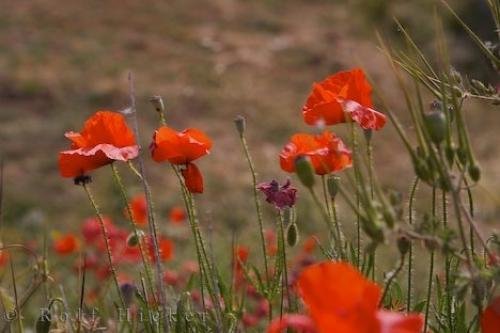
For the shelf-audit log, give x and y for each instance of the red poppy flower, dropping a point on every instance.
(309, 245)
(182, 148)
(105, 138)
(343, 93)
(177, 215)
(341, 299)
(139, 208)
(490, 319)
(66, 244)
(91, 229)
(326, 152)
(4, 258)
(192, 178)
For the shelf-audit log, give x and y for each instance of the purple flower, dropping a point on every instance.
(280, 196)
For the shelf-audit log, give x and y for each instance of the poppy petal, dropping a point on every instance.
(193, 178)
(298, 322)
(490, 319)
(393, 322)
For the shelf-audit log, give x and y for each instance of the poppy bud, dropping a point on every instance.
(240, 123)
(133, 238)
(421, 169)
(43, 322)
(435, 122)
(474, 172)
(333, 184)
(432, 244)
(157, 103)
(305, 171)
(128, 291)
(373, 230)
(462, 155)
(450, 154)
(292, 235)
(403, 243)
(456, 76)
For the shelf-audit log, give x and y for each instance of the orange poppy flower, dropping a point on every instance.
(346, 92)
(4, 257)
(66, 244)
(139, 209)
(177, 215)
(490, 319)
(182, 148)
(192, 178)
(105, 138)
(341, 299)
(326, 151)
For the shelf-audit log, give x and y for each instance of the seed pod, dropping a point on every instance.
(240, 123)
(474, 172)
(292, 235)
(133, 239)
(287, 215)
(304, 171)
(421, 169)
(373, 230)
(435, 122)
(43, 321)
(403, 243)
(333, 184)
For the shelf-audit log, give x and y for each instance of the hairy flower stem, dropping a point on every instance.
(358, 221)
(332, 215)
(447, 286)
(153, 229)
(206, 270)
(369, 151)
(324, 214)
(105, 236)
(431, 269)
(133, 225)
(410, 250)
(390, 279)
(284, 261)
(257, 208)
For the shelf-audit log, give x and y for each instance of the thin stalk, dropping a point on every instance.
(390, 279)
(369, 151)
(332, 216)
(105, 236)
(153, 229)
(133, 225)
(447, 265)
(16, 298)
(431, 270)
(284, 260)
(323, 212)
(257, 206)
(356, 179)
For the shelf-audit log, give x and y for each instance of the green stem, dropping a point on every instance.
(257, 206)
(356, 179)
(448, 290)
(324, 214)
(105, 236)
(410, 250)
(431, 269)
(332, 217)
(133, 225)
(284, 260)
(391, 279)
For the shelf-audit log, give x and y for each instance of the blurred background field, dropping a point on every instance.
(210, 60)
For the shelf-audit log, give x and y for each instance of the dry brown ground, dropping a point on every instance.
(211, 60)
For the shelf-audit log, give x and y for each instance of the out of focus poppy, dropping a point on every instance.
(182, 148)
(341, 299)
(165, 247)
(139, 208)
(177, 215)
(342, 96)
(300, 323)
(490, 319)
(65, 244)
(105, 138)
(326, 151)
